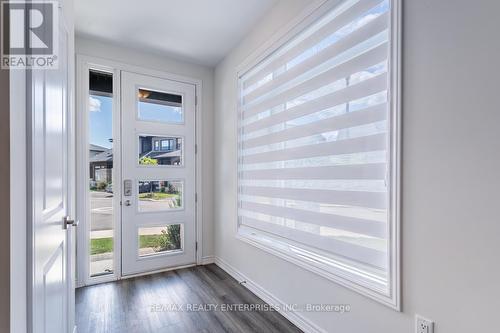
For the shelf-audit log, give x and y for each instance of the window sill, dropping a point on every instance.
(339, 271)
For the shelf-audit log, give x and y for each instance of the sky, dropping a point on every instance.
(101, 120)
(156, 112)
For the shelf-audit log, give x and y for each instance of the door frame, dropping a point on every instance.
(84, 63)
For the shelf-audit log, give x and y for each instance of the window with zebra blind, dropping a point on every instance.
(318, 147)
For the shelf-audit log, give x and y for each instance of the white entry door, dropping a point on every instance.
(51, 292)
(158, 172)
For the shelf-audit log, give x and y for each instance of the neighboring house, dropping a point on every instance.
(101, 164)
(165, 150)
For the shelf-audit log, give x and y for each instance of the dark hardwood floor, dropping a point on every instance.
(147, 304)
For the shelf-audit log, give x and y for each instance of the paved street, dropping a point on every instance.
(148, 205)
(101, 206)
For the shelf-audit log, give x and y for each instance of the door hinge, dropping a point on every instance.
(196, 246)
(196, 148)
(196, 197)
(196, 100)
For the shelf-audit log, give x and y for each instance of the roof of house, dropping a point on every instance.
(160, 154)
(105, 156)
(97, 148)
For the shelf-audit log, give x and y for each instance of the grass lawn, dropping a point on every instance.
(148, 241)
(105, 245)
(101, 245)
(158, 196)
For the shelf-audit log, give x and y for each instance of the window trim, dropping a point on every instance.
(259, 239)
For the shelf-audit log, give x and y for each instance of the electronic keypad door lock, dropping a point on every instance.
(127, 187)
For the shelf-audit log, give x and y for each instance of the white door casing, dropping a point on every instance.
(50, 254)
(132, 218)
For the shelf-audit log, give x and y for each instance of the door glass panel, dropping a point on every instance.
(157, 240)
(160, 195)
(159, 106)
(100, 117)
(160, 150)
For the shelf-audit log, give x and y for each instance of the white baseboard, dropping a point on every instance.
(207, 260)
(294, 317)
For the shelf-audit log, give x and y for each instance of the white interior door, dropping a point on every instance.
(51, 285)
(158, 172)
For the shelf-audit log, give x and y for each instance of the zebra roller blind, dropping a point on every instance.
(314, 139)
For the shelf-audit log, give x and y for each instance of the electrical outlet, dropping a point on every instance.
(424, 325)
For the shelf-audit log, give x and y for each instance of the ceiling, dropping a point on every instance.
(199, 31)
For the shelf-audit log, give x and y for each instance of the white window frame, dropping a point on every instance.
(337, 271)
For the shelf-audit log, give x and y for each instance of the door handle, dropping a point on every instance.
(68, 221)
(128, 203)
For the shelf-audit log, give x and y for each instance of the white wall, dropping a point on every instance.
(451, 166)
(156, 62)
